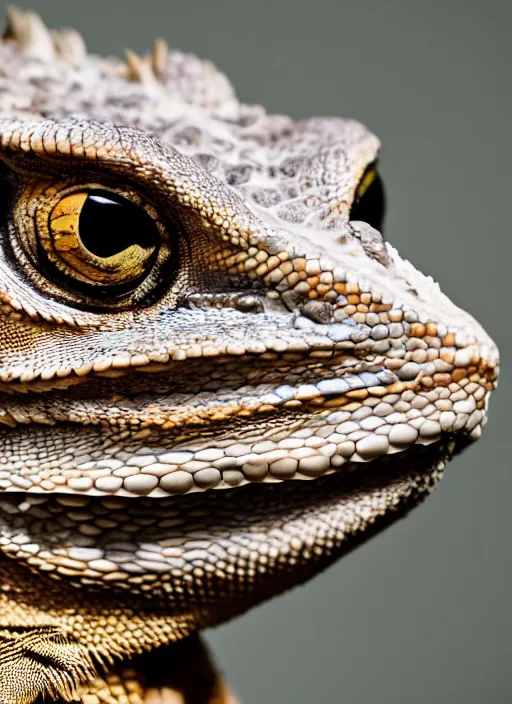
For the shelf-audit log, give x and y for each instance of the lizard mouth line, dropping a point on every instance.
(177, 409)
(156, 445)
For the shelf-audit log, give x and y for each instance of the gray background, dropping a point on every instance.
(421, 613)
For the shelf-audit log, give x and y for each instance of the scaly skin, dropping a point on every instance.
(270, 340)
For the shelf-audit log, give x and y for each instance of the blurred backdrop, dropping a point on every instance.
(422, 613)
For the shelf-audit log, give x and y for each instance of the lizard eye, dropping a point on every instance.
(101, 237)
(95, 243)
(369, 202)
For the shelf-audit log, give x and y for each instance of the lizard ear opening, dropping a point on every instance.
(369, 201)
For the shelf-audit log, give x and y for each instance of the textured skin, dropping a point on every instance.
(272, 341)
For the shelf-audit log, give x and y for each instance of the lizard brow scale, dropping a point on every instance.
(216, 377)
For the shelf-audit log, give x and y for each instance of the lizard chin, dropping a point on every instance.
(121, 576)
(194, 561)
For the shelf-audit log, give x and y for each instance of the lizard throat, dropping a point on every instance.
(180, 562)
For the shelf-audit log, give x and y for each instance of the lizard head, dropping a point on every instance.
(196, 296)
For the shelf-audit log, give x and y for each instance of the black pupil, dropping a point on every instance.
(371, 206)
(110, 223)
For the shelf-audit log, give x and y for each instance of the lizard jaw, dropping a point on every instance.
(162, 445)
(122, 575)
(168, 550)
(293, 398)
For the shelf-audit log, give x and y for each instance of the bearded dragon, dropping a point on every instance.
(216, 376)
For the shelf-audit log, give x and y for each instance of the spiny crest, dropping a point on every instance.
(186, 74)
(149, 68)
(37, 41)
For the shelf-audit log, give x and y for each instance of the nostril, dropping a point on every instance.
(249, 304)
(318, 311)
(409, 371)
(371, 241)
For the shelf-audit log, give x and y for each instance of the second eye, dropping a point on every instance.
(369, 202)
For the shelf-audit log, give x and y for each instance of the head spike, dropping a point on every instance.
(135, 65)
(28, 29)
(69, 45)
(140, 69)
(159, 57)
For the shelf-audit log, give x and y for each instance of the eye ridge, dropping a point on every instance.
(109, 224)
